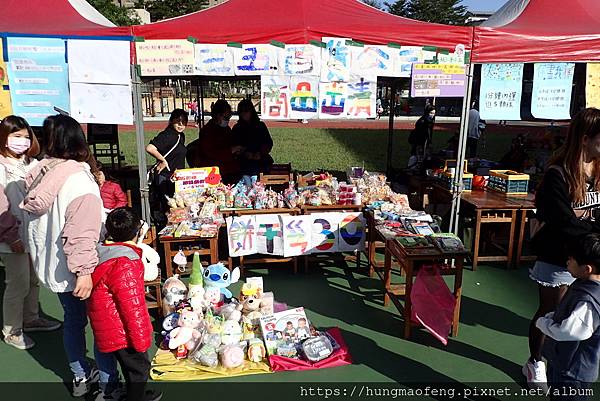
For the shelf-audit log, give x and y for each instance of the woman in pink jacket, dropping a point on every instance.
(18, 146)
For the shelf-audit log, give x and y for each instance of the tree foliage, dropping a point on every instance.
(449, 12)
(163, 9)
(117, 15)
(372, 3)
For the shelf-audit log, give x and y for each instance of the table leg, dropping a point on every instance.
(477, 239)
(241, 266)
(511, 238)
(214, 250)
(407, 302)
(387, 276)
(523, 222)
(295, 264)
(168, 260)
(460, 261)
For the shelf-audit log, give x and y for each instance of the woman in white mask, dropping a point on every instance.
(18, 146)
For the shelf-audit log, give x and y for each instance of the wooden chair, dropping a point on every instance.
(129, 201)
(153, 288)
(279, 169)
(276, 179)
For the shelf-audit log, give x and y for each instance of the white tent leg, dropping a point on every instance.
(140, 142)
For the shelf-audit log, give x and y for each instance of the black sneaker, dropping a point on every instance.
(152, 395)
(83, 386)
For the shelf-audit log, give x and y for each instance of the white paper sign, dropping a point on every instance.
(325, 232)
(304, 97)
(296, 235)
(269, 237)
(101, 104)
(333, 99)
(336, 60)
(275, 97)
(362, 98)
(352, 232)
(241, 235)
(373, 61)
(99, 61)
(214, 60)
(256, 60)
(300, 60)
(552, 87)
(501, 90)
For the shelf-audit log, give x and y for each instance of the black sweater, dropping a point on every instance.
(561, 225)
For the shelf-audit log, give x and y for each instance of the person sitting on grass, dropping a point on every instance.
(117, 307)
(572, 331)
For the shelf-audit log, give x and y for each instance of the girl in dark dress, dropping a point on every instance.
(253, 139)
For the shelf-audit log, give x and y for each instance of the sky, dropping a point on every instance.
(484, 5)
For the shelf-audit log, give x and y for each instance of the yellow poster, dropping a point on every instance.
(192, 179)
(5, 107)
(592, 85)
(165, 57)
(3, 73)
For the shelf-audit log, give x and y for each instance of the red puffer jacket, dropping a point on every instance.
(112, 195)
(117, 305)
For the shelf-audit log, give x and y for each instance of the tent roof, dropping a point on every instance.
(299, 21)
(57, 17)
(540, 30)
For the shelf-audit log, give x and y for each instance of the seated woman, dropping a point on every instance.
(111, 193)
(214, 146)
(253, 137)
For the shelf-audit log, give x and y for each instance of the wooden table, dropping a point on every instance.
(375, 241)
(409, 264)
(205, 246)
(526, 205)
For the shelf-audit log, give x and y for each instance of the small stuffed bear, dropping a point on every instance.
(174, 291)
(187, 333)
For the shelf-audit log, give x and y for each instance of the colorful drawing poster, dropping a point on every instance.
(438, 80)
(352, 232)
(501, 90)
(373, 61)
(275, 97)
(406, 57)
(38, 76)
(269, 234)
(165, 57)
(552, 87)
(336, 60)
(324, 232)
(101, 104)
(592, 85)
(214, 60)
(304, 97)
(5, 106)
(300, 60)
(241, 235)
(99, 61)
(296, 235)
(192, 179)
(332, 99)
(362, 98)
(256, 60)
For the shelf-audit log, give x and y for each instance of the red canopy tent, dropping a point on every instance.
(56, 18)
(299, 21)
(540, 30)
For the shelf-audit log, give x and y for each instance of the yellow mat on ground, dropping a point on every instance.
(166, 367)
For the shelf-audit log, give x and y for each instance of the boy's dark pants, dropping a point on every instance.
(569, 389)
(136, 368)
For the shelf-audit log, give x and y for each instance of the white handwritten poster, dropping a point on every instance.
(304, 97)
(300, 60)
(362, 98)
(406, 56)
(256, 60)
(241, 235)
(269, 234)
(101, 104)
(501, 91)
(352, 232)
(373, 61)
(214, 60)
(296, 235)
(336, 59)
(325, 232)
(165, 57)
(552, 87)
(275, 97)
(99, 61)
(333, 97)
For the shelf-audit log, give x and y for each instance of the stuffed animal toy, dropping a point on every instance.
(186, 333)
(219, 276)
(213, 298)
(206, 355)
(169, 323)
(250, 303)
(256, 350)
(232, 356)
(150, 257)
(230, 312)
(232, 332)
(174, 291)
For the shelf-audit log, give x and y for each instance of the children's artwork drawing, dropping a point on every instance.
(275, 97)
(332, 99)
(373, 61)
(256, 60)
(101, 104)
(336, 60)
(324, 232)
(241, 233)
(269, 237)
(296, 235)
(214, 60)
(406, 57)
(352, 232)
(304, 97)
(301, 60)
(361, 98)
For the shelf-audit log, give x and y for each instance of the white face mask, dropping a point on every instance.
(224, 123)
(18, 145)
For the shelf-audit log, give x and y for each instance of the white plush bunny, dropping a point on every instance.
(150, 257)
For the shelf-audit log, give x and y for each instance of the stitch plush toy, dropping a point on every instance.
(219, 276)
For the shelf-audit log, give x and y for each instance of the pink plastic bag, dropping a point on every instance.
(432, 303)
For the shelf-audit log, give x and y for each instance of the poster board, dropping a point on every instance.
(438, 80)
(325, 232)
(304, 97)
(101, 103)
(99, 61)
(165, 57)
(373, 61)
(256, 60)
(213, 60)
(241, 235)
(592, 85)
(552, 87)
(296, 235)
(333, 97)
(501, 91)
(38, 77)
(406, 56)
(352, 232)
(336, 60)
(275, 97)
(300, 60)
(362, 98)
(269, 234)
(193, 179)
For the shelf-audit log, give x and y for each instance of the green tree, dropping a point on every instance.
(163, 9)
(399, 7)
(449, 12)
(117, 15)
(373, 3)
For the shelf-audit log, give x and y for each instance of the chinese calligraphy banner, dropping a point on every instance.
(275, 97)
(552, 87)
(592, 85)
(300, 60)
(501, 91)
(373, 61)
(438, 80)
(256, 60)
(361, 102)
(335, 64)
(165, 57)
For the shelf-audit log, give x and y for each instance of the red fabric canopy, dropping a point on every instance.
(57, 18)
(545, 30)
(299, 21)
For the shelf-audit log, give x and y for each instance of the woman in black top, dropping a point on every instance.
(421, 137)
(568, 207)
(253, 139)
(168, 148)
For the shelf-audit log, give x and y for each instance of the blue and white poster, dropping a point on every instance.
(501, 91)
(552, 87)
(38, 77)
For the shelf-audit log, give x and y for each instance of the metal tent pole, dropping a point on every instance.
(457, 185)
(140, 142)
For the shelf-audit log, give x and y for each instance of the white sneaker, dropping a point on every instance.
(82, 386)
(19, 341)
(535, 372)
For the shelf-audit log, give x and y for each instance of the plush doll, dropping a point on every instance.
(186, 333)
(196, 285)
(150, 257)
(232, 333)
(169, 323)
(219, 276)
(232, 356)
(256, 350)
(250, 303)
(174, 291)
(230, 312)
(213, 298)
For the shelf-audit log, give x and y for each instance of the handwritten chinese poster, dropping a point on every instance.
(362, 98)
(592, 85)
(501, 90)
(552, 87)
(405, 58)
(275, 97)
(373, 61)
(301, 60)
(214, 60)
(336, 60)
(332, 99)
(256, 60)
(269, 234)
(241, 235)
(165, 57)
(304, 97)
(442, 80)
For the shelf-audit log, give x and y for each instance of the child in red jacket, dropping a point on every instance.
(111, 193)
(117, 304)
